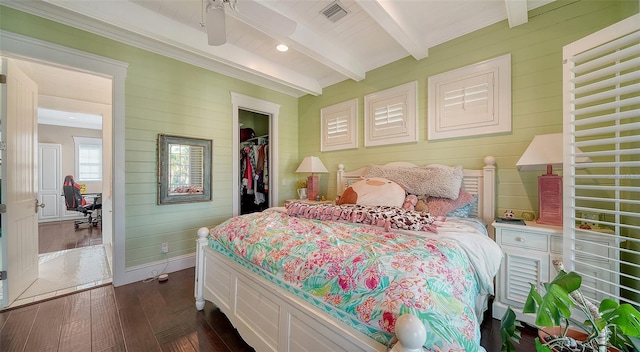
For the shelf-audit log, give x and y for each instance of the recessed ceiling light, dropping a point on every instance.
(282, 47)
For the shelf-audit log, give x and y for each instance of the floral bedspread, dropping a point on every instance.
(363, 273)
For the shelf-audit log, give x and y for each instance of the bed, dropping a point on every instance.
(323, 284)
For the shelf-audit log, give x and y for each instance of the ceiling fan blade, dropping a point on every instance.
(215, 24)
(258, 15)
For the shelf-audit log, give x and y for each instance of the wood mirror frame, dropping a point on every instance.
(184, 169)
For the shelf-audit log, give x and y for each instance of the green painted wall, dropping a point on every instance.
(536, 59)
(167, 96)
(163, 95)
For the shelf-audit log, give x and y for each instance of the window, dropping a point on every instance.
(185, 168)
(390, 116)
(339, 125)
(471, 100)
(88, 158)
(602, 206)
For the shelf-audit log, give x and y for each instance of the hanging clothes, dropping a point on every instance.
(255, 170)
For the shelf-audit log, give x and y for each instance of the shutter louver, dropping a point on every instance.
(196, 162)
(604, 193)
(338, 127)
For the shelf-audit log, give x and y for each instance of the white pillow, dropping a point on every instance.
(373, 191)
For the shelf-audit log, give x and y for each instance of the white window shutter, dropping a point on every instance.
(391, 116)
(602, 195)
(339, 126)
(471, 100)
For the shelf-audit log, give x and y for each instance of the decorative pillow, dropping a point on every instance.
(462, 212)
(373, 191)
(439, 206)
(385, 216)
(442, 181)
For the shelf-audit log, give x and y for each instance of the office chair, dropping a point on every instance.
(74, 201)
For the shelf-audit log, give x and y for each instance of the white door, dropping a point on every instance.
(19, 125)
(49, 181)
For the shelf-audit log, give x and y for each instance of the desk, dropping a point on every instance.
(92, 198)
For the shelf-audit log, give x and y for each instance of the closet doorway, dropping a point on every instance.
(262, 117)
(254, 161)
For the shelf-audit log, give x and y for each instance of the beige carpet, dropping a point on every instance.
(78, 268)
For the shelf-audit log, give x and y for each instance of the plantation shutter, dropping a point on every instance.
(339, 126)
(470, 99)
(196, 162)
(391, 115)
(602, 119)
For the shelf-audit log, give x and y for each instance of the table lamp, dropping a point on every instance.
(544, 153)
(313, 165)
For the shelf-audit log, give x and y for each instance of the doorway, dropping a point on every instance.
(64, 91)
(254, 161)
(266, 110)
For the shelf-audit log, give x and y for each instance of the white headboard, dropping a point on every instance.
(477, 182)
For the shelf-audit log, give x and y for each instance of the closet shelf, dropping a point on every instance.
(258, 139)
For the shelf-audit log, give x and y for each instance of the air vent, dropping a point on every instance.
(334, 12)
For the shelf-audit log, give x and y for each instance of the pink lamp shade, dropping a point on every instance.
(312, 164)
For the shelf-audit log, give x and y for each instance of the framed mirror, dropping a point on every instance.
(184, 169)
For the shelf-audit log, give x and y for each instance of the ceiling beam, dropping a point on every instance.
(181, 42)
(516, 12)
(399, 32)
(308, 43)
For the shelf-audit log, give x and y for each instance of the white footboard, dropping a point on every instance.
(267, 317)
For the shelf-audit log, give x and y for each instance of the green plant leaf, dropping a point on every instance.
(540, 347)
(556, 304)
(624, 317)
(534, 299)
(509, 330)
(568, 281)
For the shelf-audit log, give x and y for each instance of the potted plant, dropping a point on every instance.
(608, 327)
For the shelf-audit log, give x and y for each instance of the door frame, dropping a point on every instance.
(25, 48)
(244, 102)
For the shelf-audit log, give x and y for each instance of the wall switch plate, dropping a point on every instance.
(165, 247)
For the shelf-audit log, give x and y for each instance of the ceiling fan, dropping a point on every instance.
(250, 12)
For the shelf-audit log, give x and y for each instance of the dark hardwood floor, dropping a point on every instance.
(144, 316)
(60, 235)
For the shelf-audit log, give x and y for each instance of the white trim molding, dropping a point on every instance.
(470, 101)
(391, 116)
(339, 126)
(30, 49)
(245, 102)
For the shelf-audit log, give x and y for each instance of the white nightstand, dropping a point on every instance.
(529, 252)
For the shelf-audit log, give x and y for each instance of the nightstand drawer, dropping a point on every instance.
(524, 239)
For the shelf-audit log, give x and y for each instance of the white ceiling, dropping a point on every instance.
(322, 53)
(69, 119)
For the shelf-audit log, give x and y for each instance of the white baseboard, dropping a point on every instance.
(148, 270)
